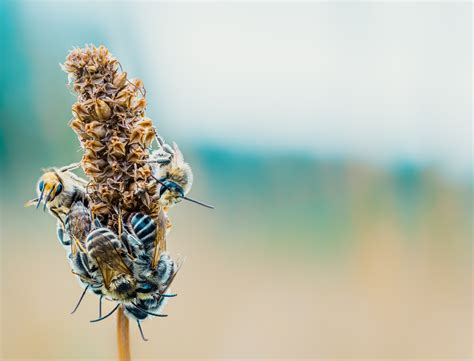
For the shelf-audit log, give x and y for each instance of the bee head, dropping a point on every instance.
(49, 186)
(170, 192)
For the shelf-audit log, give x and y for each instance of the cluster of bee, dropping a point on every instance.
(128, 267)
(114, 225)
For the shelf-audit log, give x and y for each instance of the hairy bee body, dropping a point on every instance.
(59, 189)
(72, 236)
(152, 290)
(141, 309)
(78, 224)
(105, 251)
(156, 281)
(132, 270)
(173, 173)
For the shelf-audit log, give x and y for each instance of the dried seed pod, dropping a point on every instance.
(116, 147)
(77, 125)
(95, 129)
(102, 110)
(139, 105)
(145, 123)
(148, 137)
(80, 111)
(137, 83)
(136, 135)
(124, 97)
(94, 145)
(120, 80)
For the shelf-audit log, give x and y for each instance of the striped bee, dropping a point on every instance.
(152, 294)
(72, 235)
(146, 239)
(126, 267)
(58, 189)
(106, 252)
(176, 178)
(174, 175)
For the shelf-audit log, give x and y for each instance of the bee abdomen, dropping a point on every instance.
(144, 228)
(165, 270)
(78, 266)
(78, 221)
(133, 312)
(100, 241)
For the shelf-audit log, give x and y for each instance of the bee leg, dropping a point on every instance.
(148, 312)
(100, 306)
(141, 331)
(167, 295)
(58, 217)
(70, 167)
(107, 315)
(80, 299)
(120, 222)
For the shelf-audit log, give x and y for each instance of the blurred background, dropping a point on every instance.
(335, 141)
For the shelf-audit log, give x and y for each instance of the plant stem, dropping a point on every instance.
(123, 336)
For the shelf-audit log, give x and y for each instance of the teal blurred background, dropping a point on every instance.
(335, 141)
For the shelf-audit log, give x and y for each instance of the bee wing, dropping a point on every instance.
(115, 261)
(107, 273)
(78, 224)
(105, 248)
(160, 240)
(111, 266)
(178, 156)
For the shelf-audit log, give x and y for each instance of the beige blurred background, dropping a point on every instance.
(335, 141)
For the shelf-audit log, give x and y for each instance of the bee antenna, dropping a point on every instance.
(47, 199)
(184, 197)
(40, 199)
(141, 331)
(197, 202)
(164, 185)
(148, 312)
(167, 295)
(80, 299)
(107, 315)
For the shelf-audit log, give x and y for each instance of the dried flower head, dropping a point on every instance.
(109, 119)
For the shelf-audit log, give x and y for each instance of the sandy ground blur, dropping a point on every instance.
(381, 300)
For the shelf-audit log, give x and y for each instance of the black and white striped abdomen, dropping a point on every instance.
(144, 229)
(165, 270)
(138, 311)
(101, 241)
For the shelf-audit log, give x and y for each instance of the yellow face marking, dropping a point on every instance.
(48, 187)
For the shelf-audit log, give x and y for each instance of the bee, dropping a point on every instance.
(174, 175)
(107, 254)
(72, 235)
(146, 239)
(152, 291)
(58, 189)
(126, 268)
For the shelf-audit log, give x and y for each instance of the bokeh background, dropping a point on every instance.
(335, 141)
